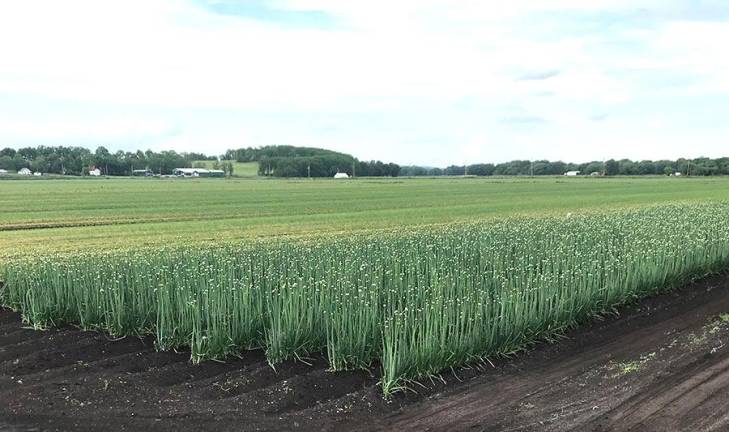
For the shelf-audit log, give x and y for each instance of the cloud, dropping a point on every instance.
(411, 81)
(267, 11)
(524, 120)
(538, 76)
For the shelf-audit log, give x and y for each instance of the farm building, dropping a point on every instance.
(3, 172)
(95, 172)
(37, 173)
(142, 173)
(25, 171)
(572, 173)
(341, 175)
(198, 172)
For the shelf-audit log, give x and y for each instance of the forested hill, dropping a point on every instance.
(291, 161)
(255, 154)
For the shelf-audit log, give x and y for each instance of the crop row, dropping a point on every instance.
(414, 302)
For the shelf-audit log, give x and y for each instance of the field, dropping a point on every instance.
(404, 278)
(52, 216)
(240, 169)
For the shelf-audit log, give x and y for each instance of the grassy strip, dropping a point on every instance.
(417, 301)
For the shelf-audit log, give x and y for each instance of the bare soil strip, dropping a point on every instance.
(663, 364)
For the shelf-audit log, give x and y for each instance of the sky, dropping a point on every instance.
(428, 82)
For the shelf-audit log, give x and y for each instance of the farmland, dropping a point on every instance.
(136, 213)
(240, 169)
(404, 278)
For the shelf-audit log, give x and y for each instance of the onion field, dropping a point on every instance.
(411, 298)
(65, 216)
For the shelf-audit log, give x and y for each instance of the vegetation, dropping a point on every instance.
(138, 213)
(254, 154)
(325, 166)
(291, 161)
(79, 160)
(235, 169)
(695, 167)
(416, 301)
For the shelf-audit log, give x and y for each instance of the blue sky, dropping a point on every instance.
(430, 82)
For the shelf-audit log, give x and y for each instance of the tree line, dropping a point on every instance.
(291, 161)
(612, 167)
(256, 154)
(324, 166)
(79, 160)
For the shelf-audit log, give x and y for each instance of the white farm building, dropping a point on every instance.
(198, 172)
(25, 171)
(95, 172)
(341, 175)
(572, 173)
(3, 172)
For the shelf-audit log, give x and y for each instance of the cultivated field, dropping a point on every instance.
(401, 278)
(109, 214)
(240, 169)
(414, 276)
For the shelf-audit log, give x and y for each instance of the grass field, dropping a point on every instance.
(416, 275)
(38, 215)
(240, 169)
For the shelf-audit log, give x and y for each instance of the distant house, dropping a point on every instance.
(25, 171)
(595, 173)
(198, 172)
(95, 172)
(341, 175)
(572, 173)
(37, 173)
(142, 173)
(677, 174)
(3, 172)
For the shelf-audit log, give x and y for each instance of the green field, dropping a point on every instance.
(240, 169)
(68, 215)
(414, 275)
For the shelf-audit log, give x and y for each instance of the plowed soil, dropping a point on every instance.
(661, 364)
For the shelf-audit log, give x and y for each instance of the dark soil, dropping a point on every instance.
(660, 365)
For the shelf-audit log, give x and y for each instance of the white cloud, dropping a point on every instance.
(426, 81)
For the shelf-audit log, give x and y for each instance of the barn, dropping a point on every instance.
(198, 172)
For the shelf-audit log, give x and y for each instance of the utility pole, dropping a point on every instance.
(531, 168)
(465, 169)
(308, 170)
(352, 169)
(688, 170)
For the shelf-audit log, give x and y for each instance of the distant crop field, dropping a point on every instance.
(240, 169)
(53, 215)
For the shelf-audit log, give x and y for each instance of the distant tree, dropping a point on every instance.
(7, 163)
(455, 170)
(481, 169)
(593, 167)
(9, 152)
(646, 167)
